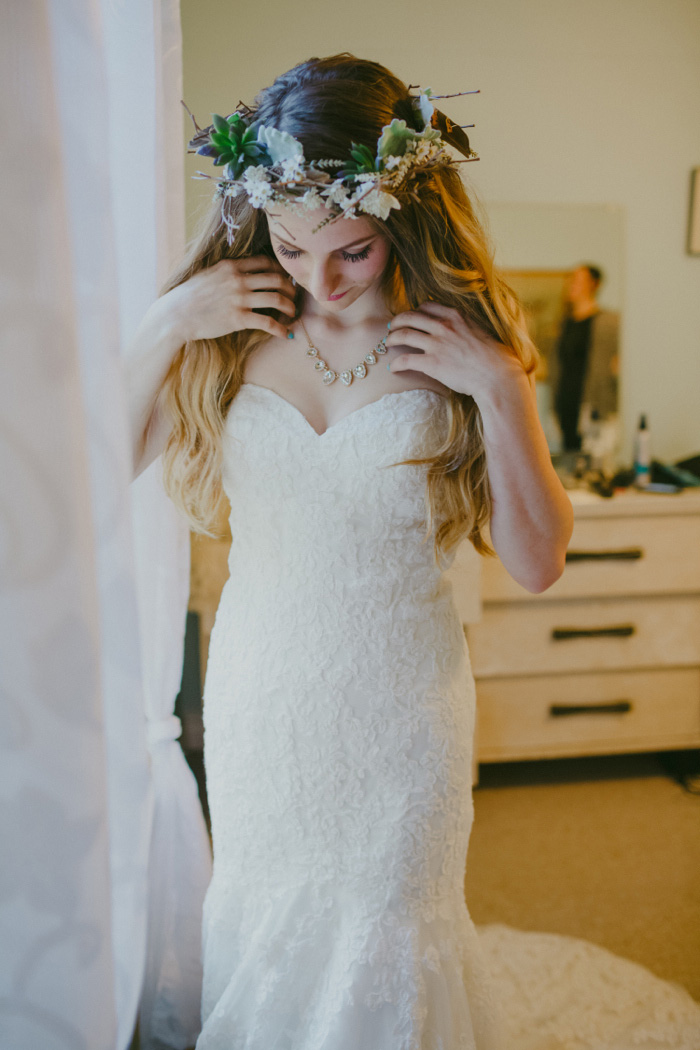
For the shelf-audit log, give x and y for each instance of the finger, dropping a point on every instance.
(257, 264)
(408, 363)
(261, 322)
(268, 300)
(411, 337)
(268, 281)
(417, 320)
(439, 310)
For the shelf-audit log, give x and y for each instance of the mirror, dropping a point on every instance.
(565, 262)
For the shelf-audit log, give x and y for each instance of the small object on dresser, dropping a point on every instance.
(642, 454)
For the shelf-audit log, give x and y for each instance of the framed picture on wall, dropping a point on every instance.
(694, 215)
(542, 294)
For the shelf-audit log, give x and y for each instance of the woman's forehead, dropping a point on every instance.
(298, 229)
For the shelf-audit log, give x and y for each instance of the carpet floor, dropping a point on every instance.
(605, 848)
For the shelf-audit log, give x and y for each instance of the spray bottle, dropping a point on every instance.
(642, 454)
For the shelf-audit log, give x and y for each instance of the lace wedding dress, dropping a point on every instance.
(339, 713)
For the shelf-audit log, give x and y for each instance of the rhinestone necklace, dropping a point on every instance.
(358, 371)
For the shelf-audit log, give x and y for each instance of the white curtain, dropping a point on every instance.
(105, 858)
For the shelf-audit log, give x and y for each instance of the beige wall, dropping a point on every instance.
(580, 102)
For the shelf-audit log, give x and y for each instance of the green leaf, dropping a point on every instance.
(364, 160)
(220, 123)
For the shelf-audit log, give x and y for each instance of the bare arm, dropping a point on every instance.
(214, 302)
(146, 363)
(532, 517)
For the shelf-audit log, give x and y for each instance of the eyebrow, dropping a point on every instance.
(342, 248)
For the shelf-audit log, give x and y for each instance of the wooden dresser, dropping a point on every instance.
(608, 659)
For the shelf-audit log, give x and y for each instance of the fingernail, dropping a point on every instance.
(389, 324)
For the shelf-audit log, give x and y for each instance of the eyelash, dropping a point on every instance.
(348, 256)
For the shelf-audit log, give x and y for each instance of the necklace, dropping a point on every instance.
(359, 371)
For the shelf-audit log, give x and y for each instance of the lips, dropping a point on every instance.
(332, 298)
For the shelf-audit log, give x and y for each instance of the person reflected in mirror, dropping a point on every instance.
(585, 363)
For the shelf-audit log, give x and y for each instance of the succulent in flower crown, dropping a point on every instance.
(269, 165)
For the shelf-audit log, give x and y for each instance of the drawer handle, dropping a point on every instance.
(623, 630)
(622, 554)
(615, 707)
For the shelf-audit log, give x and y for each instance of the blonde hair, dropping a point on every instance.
(439, 251)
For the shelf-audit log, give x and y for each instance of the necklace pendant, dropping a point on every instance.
(371, 358)
(320, 365)
(312, 352)
(329, 376)
(346, 377)
(380, 348)
(360, 371)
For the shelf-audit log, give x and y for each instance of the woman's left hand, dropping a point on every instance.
(445, 346)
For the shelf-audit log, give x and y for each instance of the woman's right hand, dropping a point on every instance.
(223, 298)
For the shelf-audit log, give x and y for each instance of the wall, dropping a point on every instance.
(580, 103)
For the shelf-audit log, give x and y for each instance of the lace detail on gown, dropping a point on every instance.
(339, 713)
(563, 993)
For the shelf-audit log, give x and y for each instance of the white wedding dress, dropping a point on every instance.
(339, 714)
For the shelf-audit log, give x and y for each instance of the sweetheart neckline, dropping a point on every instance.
(349, 415)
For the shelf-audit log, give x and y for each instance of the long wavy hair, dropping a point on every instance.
(439, 250)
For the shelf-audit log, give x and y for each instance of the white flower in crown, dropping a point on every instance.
(311, 200)
(232, 189)
(423, 105)
(293, 169)
(256, 173)
(256, 183)
(378, 202)
(280, 145)
(369, 199)
(337, 193)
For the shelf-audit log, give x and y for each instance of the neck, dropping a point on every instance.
(583, 308)
(368, 310)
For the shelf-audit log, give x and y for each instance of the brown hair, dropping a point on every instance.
(439, 251)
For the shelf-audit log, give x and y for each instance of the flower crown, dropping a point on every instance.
(269, 165)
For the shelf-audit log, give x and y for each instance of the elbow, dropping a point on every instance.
(545, 578)
(543, 575)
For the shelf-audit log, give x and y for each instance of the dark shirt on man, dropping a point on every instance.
(573, 349)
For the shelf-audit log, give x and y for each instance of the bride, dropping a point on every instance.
(340, 358)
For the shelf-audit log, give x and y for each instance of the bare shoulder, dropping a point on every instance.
(269, 356)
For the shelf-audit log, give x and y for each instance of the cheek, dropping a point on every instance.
(292, 266)
(371, 268)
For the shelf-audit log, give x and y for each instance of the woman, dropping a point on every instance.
(339, 354)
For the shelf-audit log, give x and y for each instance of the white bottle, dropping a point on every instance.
(591, 442)
(642, 454)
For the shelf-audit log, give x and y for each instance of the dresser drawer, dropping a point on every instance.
(615, 556)
(551, 637)
(588, 713)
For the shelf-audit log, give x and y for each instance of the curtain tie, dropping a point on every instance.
(162, 729)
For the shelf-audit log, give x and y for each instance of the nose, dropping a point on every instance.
(322, 280)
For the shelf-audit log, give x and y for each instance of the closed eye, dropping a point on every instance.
(357, 255)
(348, 256)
